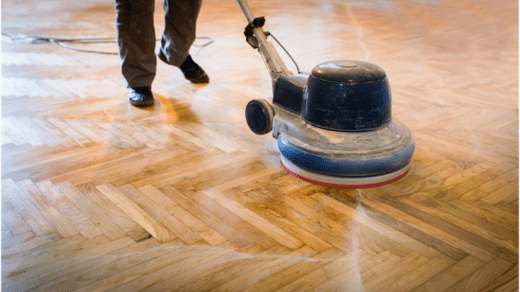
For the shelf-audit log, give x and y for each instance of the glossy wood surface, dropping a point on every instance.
(98, 195)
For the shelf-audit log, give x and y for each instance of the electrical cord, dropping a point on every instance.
(61, 42)
(270, 34)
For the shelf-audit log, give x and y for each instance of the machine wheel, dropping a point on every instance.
(259, 116)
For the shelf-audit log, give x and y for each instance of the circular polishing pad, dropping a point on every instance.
(343, 182)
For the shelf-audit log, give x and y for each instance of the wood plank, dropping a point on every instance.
(26, 241)
(421, 274)
(67, 208)
(213, 214)
(340, 267)
(252, 259)
(363, 219)
(378, 278)
(275, 217)
(18, 199)
(92, 266)
(296, 271)
(20, 263)
(62, 269)
(181, 214)
(149, 223)
(100, 219)
(172, 270)
(487, 274)
(15, 222)
(56, 132)
(63, 226)
(452, 240)
(451, 276)
(507, 282)
(113, 212)
(248, 279)
(161, 262)
(295, 212)
(462, 229)
(259, 222)
(178, 228)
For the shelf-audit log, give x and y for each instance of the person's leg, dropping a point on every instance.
(179, 34)
(136, 41)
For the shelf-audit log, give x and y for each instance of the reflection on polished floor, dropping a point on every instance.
(98, 195)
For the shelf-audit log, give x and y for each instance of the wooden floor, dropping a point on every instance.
(98, 195)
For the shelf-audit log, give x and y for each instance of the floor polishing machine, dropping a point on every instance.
(333, 126)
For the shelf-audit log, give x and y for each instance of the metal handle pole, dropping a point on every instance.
(247, 10)
(272, 60)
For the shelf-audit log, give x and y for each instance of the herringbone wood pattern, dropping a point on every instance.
(98, 195)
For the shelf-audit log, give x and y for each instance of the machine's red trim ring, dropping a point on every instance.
(346, 186)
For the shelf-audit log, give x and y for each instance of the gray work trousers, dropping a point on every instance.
(136, 36)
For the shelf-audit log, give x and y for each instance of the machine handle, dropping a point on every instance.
(272, 60)
(247, 10)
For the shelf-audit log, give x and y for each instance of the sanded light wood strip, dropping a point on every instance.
(100, 219)
(192, 274)
(421, 274)
(60, 222)
(216, 216)
(30, 241)
(10, 130)
(296, 271)
(123, 253)
(54, 131)
(215, 139)
(476, 281)
(18, 199)
(178, 228)
(68, 209)
(341, 266)
(461, 228)
(14, 221)
(508, 192)
(249, 279)
(379, 227)
(113, 212)
(378, 278)
(69, 131)
(54, 271)
(206, 232)
(431, 230)
(85, 131)
(249, 182)
(118, 262)
(15, 264)
(451, 276)
(254, 219)
(294, 212)
(274, 217)
(135, 212)
(33, 129)
(507, 282)
(253, 257)
(172, 270)
(180, 255)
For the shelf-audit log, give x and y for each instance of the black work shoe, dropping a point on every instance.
(140, 96)
(193, 72)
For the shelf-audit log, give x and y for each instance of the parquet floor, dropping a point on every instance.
(98, 195)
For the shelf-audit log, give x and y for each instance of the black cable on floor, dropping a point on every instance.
(61, 42)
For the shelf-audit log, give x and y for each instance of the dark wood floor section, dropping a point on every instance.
(98, 195)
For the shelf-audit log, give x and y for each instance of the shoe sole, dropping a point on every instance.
(142, 103)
